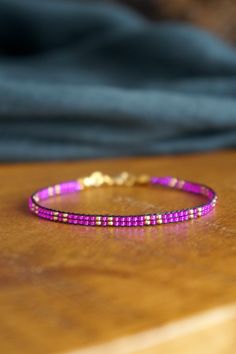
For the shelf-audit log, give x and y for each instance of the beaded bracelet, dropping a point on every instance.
(98, 179)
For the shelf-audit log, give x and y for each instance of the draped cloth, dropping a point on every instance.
(81, 80)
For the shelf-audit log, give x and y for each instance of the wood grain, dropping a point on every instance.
(68, 287)
(208, 332)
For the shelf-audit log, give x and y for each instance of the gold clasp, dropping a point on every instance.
(97, 179)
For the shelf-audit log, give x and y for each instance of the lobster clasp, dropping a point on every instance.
(97, 179)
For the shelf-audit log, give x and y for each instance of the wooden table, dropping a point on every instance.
(164, 289)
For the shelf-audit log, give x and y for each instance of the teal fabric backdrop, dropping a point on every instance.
(82, 80)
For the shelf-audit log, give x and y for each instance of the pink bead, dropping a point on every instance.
(141, 218)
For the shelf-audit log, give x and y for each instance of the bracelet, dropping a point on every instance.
(98, 179)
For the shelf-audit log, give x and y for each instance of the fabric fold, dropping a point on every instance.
(82, 80)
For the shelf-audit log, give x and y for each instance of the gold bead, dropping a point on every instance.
(64, 219)
(65, 215)
(147, 217)
(173, 182)
(180, 184)
(98, 218)
(147, 222)
(57, 189)
(159, 221)
(191, 216)
(55, 218)
(191, 211)
(110, 218)
(36, 198)
(159, 217)
(50, 191)
(110, 223)
(98, 222)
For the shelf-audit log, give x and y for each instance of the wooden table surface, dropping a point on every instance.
(161, 289)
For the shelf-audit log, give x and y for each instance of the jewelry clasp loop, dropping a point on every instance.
(97, 179)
